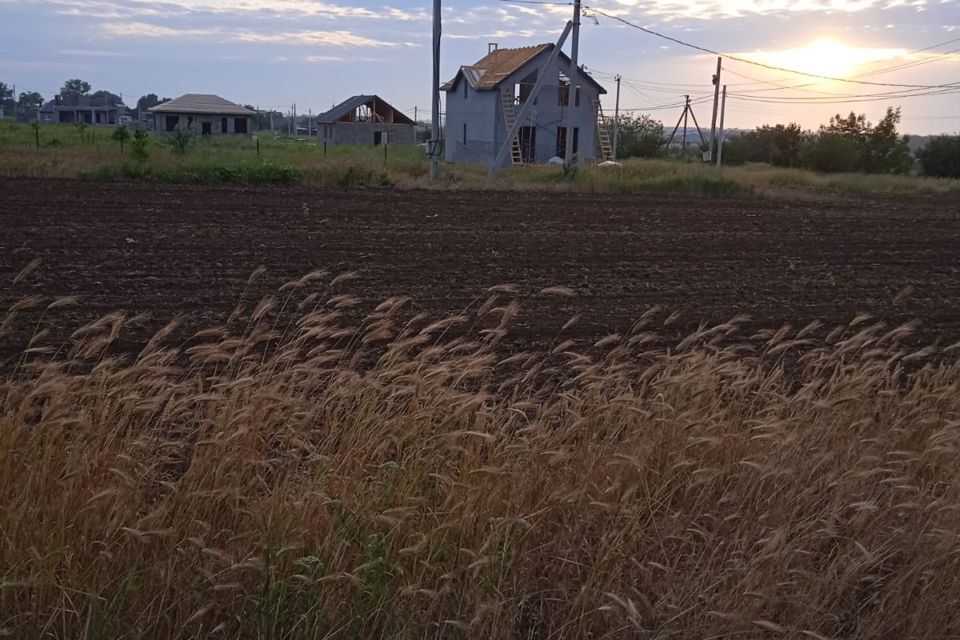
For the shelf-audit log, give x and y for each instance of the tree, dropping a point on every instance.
(885, 151)
(121, 134)
(149, 100)
(29, 101)
(881, 149)
(853, 126)
(640, 137)
(941, 157)
(6, 96)
(75, 87)
(851, 143)
(105, 98)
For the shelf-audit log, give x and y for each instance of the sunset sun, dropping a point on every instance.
(826, 57)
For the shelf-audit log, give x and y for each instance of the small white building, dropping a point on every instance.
(203, 114)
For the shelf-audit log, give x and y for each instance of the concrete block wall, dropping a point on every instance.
(195, 123)
(350, 133)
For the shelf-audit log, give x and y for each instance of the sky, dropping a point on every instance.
(315, 53)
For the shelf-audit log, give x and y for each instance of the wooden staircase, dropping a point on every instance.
(603, 134)
(509, 118)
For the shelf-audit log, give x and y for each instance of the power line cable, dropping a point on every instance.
(762, 64)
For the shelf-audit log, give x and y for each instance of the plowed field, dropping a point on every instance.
(187, 251)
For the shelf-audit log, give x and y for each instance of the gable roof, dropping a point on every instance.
(498, 65)
(202, 103)
(348, 106)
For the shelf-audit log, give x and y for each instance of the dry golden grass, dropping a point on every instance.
(405, 478)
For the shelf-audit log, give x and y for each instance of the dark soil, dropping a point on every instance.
(187, 251)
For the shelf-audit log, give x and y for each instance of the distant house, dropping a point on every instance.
(365, 120)
(484, 99)
(203, 114)
(76, 109)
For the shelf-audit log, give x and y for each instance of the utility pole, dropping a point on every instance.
(713, 123)
(434, 145)
(723, 111)
(686, 109)
(687, 112)
(616, 120)
(414, 115)
(574, 83)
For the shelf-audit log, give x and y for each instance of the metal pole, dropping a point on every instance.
(434, 145)
(528, 104)
(574, 78)
(616, 120)
(723, 110)
(673, 133)
(686, 109)
(713, 122)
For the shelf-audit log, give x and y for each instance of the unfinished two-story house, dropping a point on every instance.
(77, 109)
(484, 99)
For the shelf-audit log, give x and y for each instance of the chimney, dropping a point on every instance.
(491, 47)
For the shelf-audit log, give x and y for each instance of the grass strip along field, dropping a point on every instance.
(333, 479)
(66, 151)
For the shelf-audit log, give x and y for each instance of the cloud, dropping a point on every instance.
(95, 53)
(712, 9)
(147, 30)
(825, 56)
(525, 33)
(295, 38)
(309, 38)
(113, 9)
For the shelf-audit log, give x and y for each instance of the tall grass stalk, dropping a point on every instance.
(408, 477)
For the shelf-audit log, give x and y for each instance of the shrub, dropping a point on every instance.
(778, 145)
(180, 140)
(699, 184)
(831, 153)
(354, 177)
(140, 147)
(941, 157)
(122, 135)
(640, 137)
(82, 130)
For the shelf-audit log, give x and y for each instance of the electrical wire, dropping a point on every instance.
(762, 64)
